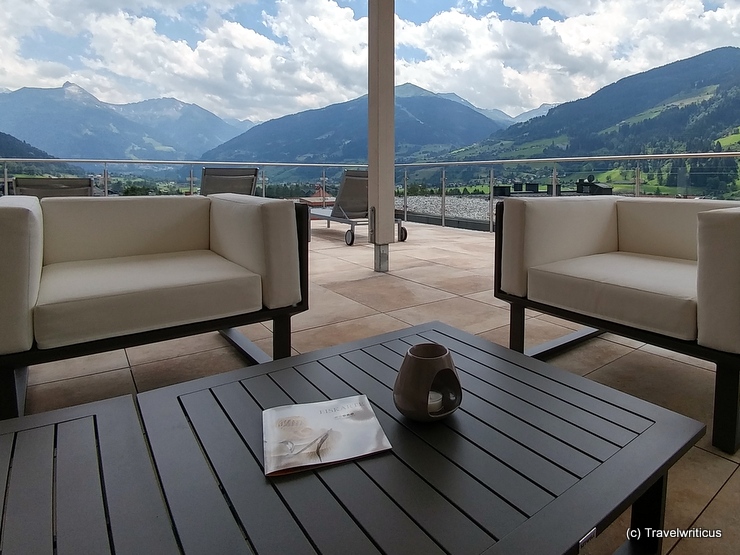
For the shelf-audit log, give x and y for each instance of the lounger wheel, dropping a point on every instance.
(403, 234)
(349, 237)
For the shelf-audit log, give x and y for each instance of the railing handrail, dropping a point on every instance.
(140, 162)
(561, 159)
(553, 161)
(433, 163)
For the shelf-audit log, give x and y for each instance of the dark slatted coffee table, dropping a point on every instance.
(535, 460)
(80, 480)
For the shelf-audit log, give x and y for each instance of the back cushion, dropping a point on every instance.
(662, 227)
(79, 228)
(540, 230)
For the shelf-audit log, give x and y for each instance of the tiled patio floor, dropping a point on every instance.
(439, 274)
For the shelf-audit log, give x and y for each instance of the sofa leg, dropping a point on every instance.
(13, 383)
(281, 337)
(249, 350)
(547, 350)
(516, 327)
(726, 430)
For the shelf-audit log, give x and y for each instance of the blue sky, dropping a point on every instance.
(261, 59)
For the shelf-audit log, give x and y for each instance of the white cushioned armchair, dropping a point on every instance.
(662, 271)
(84, 275)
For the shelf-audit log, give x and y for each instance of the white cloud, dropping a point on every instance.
(327, 43)
(320, 56)
(567, 8)
(301, 54)
(515, 65)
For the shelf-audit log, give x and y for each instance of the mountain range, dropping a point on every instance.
(427, 125)
(688, 105)
(691, 104)
(498, 115)
(69, 122)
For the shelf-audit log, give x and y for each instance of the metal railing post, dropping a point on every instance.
(637, 180)
(5, 178)
(554, 180)
(264, 186)
(490, 201)
(443, 191)
(323, 187)
(192, 181)
(405, 195)
(105, 179)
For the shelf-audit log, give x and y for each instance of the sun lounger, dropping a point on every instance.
(43, 187)
(351, 207)
(228, 180)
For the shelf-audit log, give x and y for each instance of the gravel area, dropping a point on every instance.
(471, 207)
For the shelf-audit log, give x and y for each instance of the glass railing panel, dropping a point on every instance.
(445, 193)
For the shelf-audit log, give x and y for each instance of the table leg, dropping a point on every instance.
(648, 516)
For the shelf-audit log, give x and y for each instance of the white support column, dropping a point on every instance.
(381, 132)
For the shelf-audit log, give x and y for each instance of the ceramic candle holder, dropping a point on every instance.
(427, 387)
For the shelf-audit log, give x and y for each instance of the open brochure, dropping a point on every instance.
(297, 437)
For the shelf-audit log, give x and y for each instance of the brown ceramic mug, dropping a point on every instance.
(427, 386)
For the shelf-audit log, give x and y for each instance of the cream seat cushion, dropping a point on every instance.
(94, 299)
(653, 293)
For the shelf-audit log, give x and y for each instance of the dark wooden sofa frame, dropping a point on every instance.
(14, 366)
(726, 417)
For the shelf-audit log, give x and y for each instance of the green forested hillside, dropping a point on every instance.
(691, 105)
(10, 147)
(663, 107)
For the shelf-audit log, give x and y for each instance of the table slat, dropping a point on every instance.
(581, 441)
(504, 480)
(378, 515)
(505, 437)
(6, 450)
(391, 529)
(138, 515)
(320, 514)
(559, 452)
(80, 508)
(453, 530)
(28, 526)
(481, 504)
(192, 492)
(540, 374)
(269, 525)
(557, 407)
